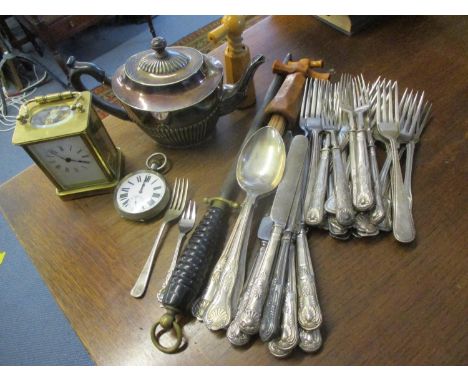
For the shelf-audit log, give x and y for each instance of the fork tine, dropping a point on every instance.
(183, 198)
(384, 104)
(304, 100)
(314, 98)
(174, 192)
(379, 102)
(397, 111)
(390, 107)
(416, 114)
(193, 213)
(425, 118)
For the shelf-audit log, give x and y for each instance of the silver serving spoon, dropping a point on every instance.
(260, 168)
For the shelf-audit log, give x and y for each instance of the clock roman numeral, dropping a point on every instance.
(156, 195)
(147, 178)
(124, 196)
(156, 188)
(139, 179)
(131, 183)
(126, 189)
(125, 203)
(152, 202)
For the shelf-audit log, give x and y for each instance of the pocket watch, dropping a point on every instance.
(143, 194)
(64, 136)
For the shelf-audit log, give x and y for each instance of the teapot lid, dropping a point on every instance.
(165, 79)
(162, 66)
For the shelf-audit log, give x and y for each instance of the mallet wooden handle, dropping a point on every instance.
(303, 65)
(284, 107)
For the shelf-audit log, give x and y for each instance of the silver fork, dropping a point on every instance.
(310, 123)
(186, 224)
(388, 118)
(176, 207)
(330, 121)
(410, 146)
(378, 212)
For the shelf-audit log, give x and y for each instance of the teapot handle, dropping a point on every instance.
(77, 69)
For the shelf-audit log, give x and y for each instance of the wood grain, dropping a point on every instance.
(383, 303)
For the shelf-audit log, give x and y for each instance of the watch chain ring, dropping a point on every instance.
(154, 164)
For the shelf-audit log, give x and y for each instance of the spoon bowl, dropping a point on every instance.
(261, 162)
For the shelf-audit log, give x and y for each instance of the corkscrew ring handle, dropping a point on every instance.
(167, 322)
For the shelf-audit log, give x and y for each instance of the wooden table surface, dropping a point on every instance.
(383, 303)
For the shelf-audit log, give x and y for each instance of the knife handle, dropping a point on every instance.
(271, 317)
(287, 101)
(195, 261)
(249, 319)
(309, 312)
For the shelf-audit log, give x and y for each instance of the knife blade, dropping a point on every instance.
(250, 318)
(287, 188)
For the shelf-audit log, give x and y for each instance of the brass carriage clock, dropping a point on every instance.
(65, 137)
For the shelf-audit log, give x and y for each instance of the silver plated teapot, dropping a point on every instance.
(175, 94)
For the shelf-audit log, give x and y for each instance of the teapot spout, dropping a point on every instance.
(233, 95)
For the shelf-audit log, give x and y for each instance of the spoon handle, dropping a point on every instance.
(221, 310)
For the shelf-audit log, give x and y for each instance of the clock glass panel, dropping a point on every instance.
(69, 161)
(51, 117)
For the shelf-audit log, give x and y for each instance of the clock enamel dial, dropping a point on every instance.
(64, 136)
(141, 195)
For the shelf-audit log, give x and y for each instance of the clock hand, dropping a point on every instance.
(142, 186)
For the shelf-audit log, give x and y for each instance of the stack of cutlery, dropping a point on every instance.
(333, 180)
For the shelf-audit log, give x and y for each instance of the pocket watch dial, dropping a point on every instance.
(141, 192)
(69, 161)
(51, 117)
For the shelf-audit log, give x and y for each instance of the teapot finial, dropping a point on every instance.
(158, 44)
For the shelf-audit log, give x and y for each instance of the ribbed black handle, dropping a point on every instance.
(196, 260)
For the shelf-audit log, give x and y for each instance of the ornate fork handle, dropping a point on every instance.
(309, 312)
(344, 204)
(314, 159)
(315, 212)
(364, 197)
